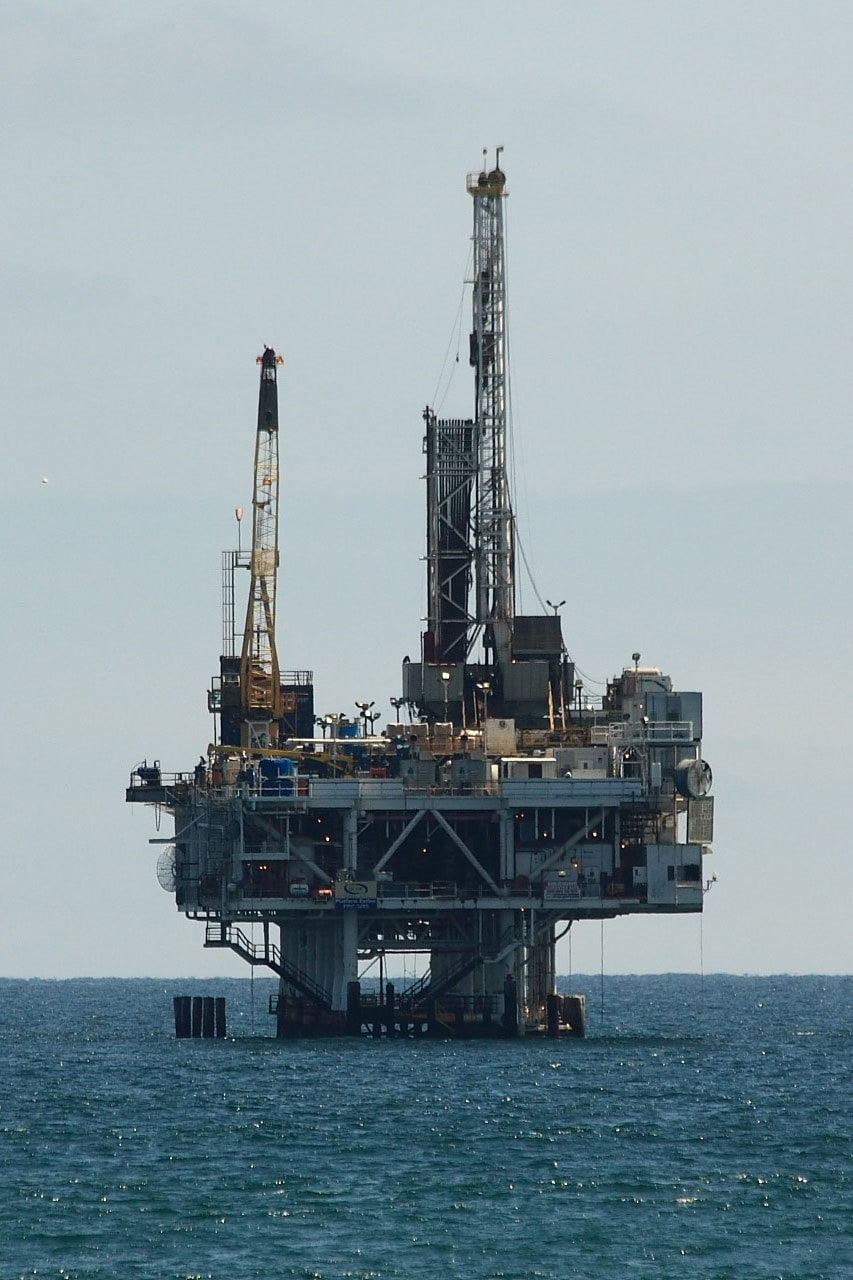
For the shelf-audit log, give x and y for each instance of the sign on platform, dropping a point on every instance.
(700, 820)
(355, 893)
(561, 887)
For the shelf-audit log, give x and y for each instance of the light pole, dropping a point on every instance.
(555, 607)
(445, 681)
(397, 704)
(330, 721)
(485, 688)
(371, 718)
(364, 707)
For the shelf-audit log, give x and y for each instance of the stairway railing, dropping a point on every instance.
(422, 991)
(266, 953)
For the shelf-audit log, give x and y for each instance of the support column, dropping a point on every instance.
(351, 839)
(353, 1008)
(510, 1015)
(552, 1016)
(390, 1016)
(346, 937)
(346, 968)
(507, 845)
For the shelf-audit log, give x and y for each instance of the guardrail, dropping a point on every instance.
(149, 776)
(628, 731)
(413, 889)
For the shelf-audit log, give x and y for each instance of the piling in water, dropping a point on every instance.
(510, 1018)
(574, 1014)
(207, 1017)
(182, 1017)
(196, 1016)
(353, 1008)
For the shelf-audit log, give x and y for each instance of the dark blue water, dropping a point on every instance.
(702, 1130)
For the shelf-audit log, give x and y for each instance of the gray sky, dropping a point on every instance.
(184, 183)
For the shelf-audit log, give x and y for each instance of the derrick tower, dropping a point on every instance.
(493, 556)
(470, 530)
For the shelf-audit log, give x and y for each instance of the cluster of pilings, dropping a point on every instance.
(200, 1017)
(565, 1015)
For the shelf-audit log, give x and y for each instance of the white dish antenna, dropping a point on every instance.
(166, 869)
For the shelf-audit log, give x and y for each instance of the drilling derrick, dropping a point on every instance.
(469, 514)
(493, 516)
(522, 673)
(260, 680)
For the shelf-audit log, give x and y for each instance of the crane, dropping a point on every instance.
(260, 677)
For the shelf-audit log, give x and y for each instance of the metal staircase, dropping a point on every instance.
(427, 988)
(266, 953)
(418, 993)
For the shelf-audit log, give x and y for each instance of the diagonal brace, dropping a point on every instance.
(395, 845)
(462, 846)
(571, 842)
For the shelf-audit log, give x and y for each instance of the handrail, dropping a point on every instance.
(266, 953)
(421, 990)
(411, 993)
(152, 779)
(638, 731)
(434, 988)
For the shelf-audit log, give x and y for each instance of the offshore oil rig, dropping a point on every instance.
(502, 805)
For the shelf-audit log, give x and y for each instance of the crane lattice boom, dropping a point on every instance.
(260, 680)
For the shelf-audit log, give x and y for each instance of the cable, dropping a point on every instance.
(516, 455)
(455, 331)
(520, 545)
(589, 679)
(511, 439)
(602, 968)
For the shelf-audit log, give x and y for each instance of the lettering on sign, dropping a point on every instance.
(562, 888)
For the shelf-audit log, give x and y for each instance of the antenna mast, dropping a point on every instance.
(260, 679)
(494, 552)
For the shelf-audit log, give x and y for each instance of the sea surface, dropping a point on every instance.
(703, 1129)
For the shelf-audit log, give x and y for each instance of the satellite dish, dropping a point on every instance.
(166, 869)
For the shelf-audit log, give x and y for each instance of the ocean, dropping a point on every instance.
(703, 1129)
